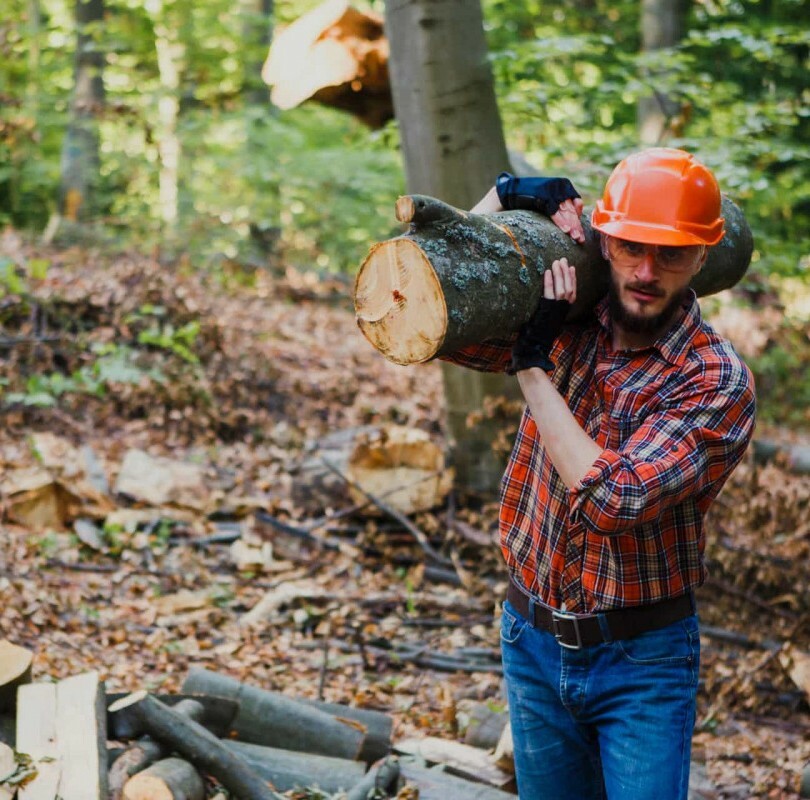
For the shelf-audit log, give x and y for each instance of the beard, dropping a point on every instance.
(638, 323)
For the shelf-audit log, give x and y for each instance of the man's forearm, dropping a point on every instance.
(571, 450)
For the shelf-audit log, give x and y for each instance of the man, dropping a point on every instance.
(633, 424)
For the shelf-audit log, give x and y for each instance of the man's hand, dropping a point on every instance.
(555, 197)
(536, 337)
(567, 219)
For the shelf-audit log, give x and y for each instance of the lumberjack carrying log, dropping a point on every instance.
(637, 412)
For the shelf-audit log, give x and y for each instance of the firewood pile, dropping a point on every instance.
(73, 741)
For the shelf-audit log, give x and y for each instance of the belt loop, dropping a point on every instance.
(532, 606)
(604, 627)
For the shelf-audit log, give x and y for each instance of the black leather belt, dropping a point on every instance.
(575, 630)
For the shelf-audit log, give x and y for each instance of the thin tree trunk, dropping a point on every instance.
(80, 149)
(170, 53)
(453, 148)
(662, 23)
(257, 34)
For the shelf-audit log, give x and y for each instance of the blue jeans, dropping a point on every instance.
(607, 721)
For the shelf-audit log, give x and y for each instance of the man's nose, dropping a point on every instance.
(646, 267)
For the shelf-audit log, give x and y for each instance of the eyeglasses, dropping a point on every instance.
(679, 258)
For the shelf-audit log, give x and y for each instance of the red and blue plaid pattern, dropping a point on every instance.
(673, 420)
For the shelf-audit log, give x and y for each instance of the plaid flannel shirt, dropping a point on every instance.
(673, 419)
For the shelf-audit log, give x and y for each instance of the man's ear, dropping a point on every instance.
(603, 246)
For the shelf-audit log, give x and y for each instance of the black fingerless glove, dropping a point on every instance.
(536, 337)
(534, 194)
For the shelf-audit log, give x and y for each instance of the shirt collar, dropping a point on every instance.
(675, 343)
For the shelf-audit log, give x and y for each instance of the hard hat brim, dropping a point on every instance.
(656, 234)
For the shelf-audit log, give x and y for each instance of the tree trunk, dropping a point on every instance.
(286, 769)
(170, 779)
(274, 720)
(80, 150)
(197, 744)
(453, 147)
(662, 23)
(257, 33)
(458, 278)
(170, 53)
(15, 669)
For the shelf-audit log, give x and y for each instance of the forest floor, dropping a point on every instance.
(241, 375)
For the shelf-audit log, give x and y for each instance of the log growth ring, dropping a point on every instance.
(399, 302)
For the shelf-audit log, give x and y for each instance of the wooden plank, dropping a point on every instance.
(460, 759)
(36, 736)
(81, 734)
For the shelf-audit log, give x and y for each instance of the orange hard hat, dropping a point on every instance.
(661, 196)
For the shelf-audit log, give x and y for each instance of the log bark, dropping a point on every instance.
(274, 720)
(378, 726)
(15, 669)
(457, 278)
(170, 779)
(199, 745)
(286, 769)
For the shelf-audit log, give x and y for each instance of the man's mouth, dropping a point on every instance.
(644, 294)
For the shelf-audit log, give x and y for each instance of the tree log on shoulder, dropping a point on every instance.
(457, 278)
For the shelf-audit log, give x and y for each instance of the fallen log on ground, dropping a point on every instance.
(274, 720)
(457, 278)
(214, 713)
(286, 769)
(436, 785)
(378, 727)
(170, 779)
(197, 744)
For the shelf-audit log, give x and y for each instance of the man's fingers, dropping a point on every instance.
(548, 284)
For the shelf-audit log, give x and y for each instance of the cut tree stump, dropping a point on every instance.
(170, 779)
(457, 278)
(198, 745)
(274, 720)
(286, 769)
(36, 736)
(15, 669)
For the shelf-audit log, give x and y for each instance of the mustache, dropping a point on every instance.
(647, 288)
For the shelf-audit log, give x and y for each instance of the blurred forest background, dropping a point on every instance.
(160, 123)
(179, 356)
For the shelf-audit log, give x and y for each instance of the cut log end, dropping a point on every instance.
(399, 302)
(129, 700)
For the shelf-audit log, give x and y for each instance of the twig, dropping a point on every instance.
(418, 535)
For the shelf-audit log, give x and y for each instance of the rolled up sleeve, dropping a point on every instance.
(685, 450)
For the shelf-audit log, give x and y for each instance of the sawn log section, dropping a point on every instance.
(457, 278)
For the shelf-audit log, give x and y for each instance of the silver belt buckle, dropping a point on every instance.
(556, 617)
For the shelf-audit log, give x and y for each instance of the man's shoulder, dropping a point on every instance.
(714, 358)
